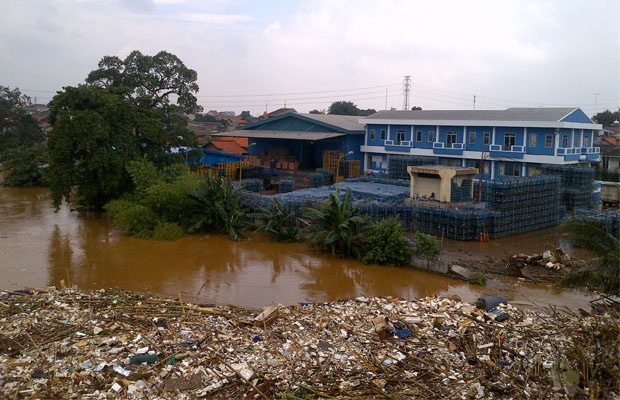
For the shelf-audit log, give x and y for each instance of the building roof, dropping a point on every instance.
(275, 134)
(347, 122)
(295, 126)
(512, 116)
(281, 111)
(229, 144)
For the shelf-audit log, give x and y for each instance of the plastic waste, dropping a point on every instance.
(488, 303)
(144, 358)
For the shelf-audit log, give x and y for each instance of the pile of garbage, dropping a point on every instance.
(69, 344)
(551, 263)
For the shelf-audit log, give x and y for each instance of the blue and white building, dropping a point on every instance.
(511, 142)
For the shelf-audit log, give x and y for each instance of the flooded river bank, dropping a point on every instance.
(40, 247)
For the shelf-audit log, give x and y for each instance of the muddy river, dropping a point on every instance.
(40, 247)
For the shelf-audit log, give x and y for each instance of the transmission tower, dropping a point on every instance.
(406, 88)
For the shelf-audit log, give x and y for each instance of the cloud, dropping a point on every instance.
(508, 53)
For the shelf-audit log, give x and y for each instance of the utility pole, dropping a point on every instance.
(406, 87)
(596, 103)
(474, 102)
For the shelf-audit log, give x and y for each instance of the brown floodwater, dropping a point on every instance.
(40, 247)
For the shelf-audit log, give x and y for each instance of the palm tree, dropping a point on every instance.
(219, 208)
(603, 272)
(274, 221)
(335, 225)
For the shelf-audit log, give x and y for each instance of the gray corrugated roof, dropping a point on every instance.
(511, 114)
(292, 135)
(347, 122)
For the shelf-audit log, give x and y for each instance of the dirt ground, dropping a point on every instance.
(492, 257)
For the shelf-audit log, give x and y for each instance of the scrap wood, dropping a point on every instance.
(332, 349)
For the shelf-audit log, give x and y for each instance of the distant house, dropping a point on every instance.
(301, 139)
(280, 111)
(511, 142)
(228, 144)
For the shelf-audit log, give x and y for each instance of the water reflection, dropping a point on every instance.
(40, 247)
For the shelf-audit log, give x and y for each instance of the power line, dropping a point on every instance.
(297, 93)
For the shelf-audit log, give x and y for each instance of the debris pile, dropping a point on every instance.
(554, 261)
(70, 344)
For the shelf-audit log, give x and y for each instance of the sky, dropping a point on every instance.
(262, 55)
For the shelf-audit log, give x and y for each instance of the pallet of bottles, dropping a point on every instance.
(251, 185)
(453, 223)
(255, 201)
(513, 193)
(286, 186)
(460, 194)
(251, 172)
(398, 164)
(573, 176)
(610, 219)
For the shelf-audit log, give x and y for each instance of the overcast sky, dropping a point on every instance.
(261, 55)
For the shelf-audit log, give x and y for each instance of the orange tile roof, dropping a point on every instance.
(229, 144)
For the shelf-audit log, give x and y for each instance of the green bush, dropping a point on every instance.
(478, 278)
(138, 220)
(426, 245)
(171, 202)
(385, 243)
(168, 231)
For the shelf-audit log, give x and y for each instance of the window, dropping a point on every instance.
(400, 137)
(372, 134)
(586, 141)
(509, 169)
(418, 136)
(472, 137)
(532, 140)
(382, 134)
(534, 171)
(486, 138)
(548, 141)
(564, 141)
(452, 162)
(509, 141)
(431, 136)
(450, 139)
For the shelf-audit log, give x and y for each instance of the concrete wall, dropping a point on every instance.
(430, 264)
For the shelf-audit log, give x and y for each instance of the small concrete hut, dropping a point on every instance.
(435, 181)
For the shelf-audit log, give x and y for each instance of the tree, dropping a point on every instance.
(276, 222)
(26, 166)
(343, 108)
(385, 243)
(607, 118)
(602, 273)
(149, 81)
(315, 111)
(90, 146)
(426, 245)
(368, 111)
(335, 225)
(17, 127)
(219, 208)
(126, 111)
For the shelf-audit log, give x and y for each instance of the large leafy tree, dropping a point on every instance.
(150, 81)
(17, 127)
(607, 118)
(128, 109)
(343, 108)
(90, 146)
